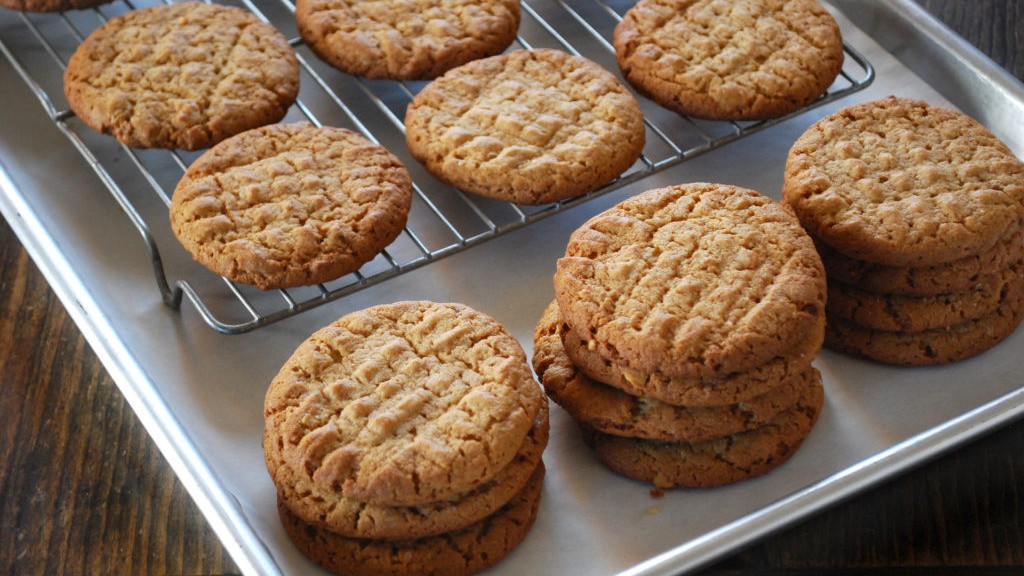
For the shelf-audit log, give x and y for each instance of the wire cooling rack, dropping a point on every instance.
(443, 220)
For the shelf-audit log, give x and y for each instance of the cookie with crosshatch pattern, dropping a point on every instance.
(405, 40)
(414, 414)
(918, 210)
(899, 182)
(290, 205)
(529, 126)
(181, 75)
(730, 59)
(699, 280)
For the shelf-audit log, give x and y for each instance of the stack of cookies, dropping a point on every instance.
(407, 439)
(682, 333)
(917, 211)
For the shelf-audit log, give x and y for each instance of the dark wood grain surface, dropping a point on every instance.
(83, 490)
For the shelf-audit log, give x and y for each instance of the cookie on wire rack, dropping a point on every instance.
(181, 75)
(729, 59)
(406, 39)
(530, 126)
(290, 205)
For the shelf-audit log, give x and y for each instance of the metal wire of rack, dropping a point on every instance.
(443, 220)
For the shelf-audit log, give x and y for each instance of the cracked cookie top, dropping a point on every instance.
(407, 39)
(181, 75)
(290, 205)
(695, 280)
(730, 59)
(404, 404)
(530, 126)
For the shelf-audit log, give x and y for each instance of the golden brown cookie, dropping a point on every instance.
(901, 183)
(730, 389)
(352, 519)
(928, 347)
(51, 5)
(609, 410)
(954, 276)
(692, 281)
(530, 126)
(459, 553)
(907, 314)
(181, 75)
(404, 404)
(290, 205)
(405, 40)
(715, 462)
(730, 60)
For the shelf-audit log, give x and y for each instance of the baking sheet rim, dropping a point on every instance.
(244, 544)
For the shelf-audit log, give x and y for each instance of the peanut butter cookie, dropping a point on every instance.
(51, 5)
(927, 347)
(181, 75)
(404, 404)
(530, 126)
(907, 314)
(730, 389)
(460, 553)
(408, 39)
(730, 60)
(290, 205)
(352, 519)
(692, 281)
(609, 410)
(714, 462)
(954, 276)
(899, 182)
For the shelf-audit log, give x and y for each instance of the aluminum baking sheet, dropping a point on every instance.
(199, 393)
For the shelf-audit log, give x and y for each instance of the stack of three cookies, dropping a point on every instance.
(407, 439)
(917, 212)
(682, 335)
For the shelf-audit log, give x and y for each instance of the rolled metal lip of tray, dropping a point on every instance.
(444, 220)
(199, 391)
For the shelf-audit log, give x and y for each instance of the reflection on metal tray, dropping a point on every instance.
(443, 220)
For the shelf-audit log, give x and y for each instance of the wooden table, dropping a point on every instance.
(83, 490)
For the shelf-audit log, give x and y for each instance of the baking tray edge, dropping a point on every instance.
(902, 27)
(218, 507)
